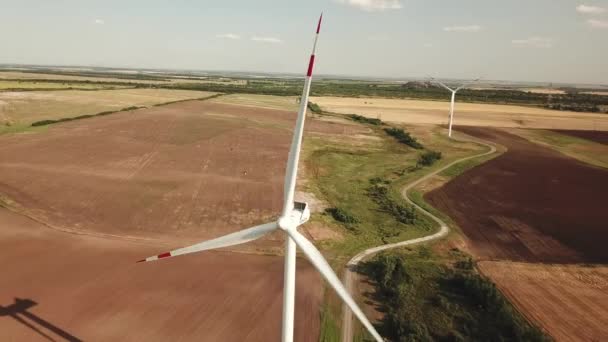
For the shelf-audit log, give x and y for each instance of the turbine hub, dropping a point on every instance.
(285, 222)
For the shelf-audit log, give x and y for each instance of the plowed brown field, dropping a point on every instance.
(75, 287)
(597, 136)
(129, 185)
(529, 204)
(569, 302)
(187, 170)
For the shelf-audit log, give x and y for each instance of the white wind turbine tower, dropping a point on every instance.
(454, 91)
(294, 214)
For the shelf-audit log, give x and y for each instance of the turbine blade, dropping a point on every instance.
(443, 85)
(467, 84)
(316, 258)
(233, 239)
(291, 170)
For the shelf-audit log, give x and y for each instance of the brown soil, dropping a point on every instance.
(569, 302)
(529, 204)
(189, 170)
(597, 136)
(77, 287)
(131, 185)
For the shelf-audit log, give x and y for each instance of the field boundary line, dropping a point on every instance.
(350, 269)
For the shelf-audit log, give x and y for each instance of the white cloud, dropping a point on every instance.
(467, 28)
(373, 5)
(99, 21)
(536, 42)
(601, 24)
(228, 36)
(428, 45)
(266, 39)
(587, 9)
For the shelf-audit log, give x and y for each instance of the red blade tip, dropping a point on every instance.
(142, 260)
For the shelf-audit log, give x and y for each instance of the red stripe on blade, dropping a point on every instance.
(310, 65)
(319, 24)
(164, 255)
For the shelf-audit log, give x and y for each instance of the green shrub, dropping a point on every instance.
(403, 214)
(342, 215)
(365, 120)
(403, 137)
(428, 301)
(428, 158)
(43, 123)
(315, 108)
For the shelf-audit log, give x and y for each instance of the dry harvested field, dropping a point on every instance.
(569, 302)
(597, 136)
(260, 101)
(529, 204)
(30, 106)
(66, 287)
(90, 197)
(187, 170)
(16, 75)
(467, 114)
(4, 85)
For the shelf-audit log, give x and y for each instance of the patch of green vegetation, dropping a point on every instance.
(80, 117)
(330, 332)
(403, 137)
(428, 158)
(402, 213)
(315, 108)
(426, 297)
(342, 215)
(18, 128)
(184, 100)
(365, 120)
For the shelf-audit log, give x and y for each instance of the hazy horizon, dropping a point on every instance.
(558, 41)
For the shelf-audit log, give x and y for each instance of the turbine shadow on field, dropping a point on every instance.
(19, 312)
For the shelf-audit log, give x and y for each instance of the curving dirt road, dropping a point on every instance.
(350, 271)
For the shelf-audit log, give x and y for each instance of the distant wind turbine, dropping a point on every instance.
(454, 91)
(294, 214)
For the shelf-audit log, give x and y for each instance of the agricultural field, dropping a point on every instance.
(569, 301)
(597, 136)
(101, 78)
(533, 218)
(35, 85)
(523, 205)
(24, 108)
(74, 287)
(590, 147)
(466, 114)
(260, 101)
(138, 183)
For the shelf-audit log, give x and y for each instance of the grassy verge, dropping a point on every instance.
(330, 330)
(428, 295)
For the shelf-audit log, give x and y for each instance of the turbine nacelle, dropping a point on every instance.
(299, 215)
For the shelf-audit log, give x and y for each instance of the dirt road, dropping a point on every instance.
(350, 273)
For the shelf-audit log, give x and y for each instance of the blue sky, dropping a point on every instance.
(539, 40)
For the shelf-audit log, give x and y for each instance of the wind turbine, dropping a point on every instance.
(454, 91)
(294, 214)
